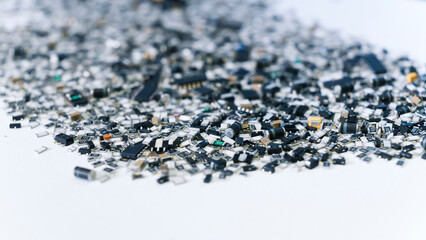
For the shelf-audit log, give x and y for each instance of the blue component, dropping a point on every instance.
(241, 46)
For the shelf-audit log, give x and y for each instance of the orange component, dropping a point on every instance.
(315, 122)
(105, 137)
(411, 77)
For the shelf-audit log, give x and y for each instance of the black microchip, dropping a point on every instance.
(133, 151)
(250, 94)
(374, 63)
(189, 80)
(64, 139)
(153, 75)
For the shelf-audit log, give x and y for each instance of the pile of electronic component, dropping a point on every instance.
(214, 88)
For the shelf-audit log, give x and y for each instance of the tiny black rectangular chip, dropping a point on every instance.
(64, 139)
(132, 151)
(374, 64)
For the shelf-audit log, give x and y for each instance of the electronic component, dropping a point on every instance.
(123, 101)
(150, 84)
(233, 130)
(15, 125)
(339, 161)
(76, 98)
(75, 116)
(41, 149)
(242, 53)
(42, 134)
(100, 92)
(411, 77)
(163, 179)
(132, 151)
(84, 173)
(250, 94)
(191, 81)
(315, 122)
(373, 63)
(64, 139)
(423, 143)
(105, 137)
(97, 164)
(348, 128)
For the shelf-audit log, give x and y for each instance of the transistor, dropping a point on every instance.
(17, 117)
(15, 125)
(84, 151)
(64, 139)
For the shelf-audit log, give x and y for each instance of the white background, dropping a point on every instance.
(40, 198)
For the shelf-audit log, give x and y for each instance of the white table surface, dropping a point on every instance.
(40, 198)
